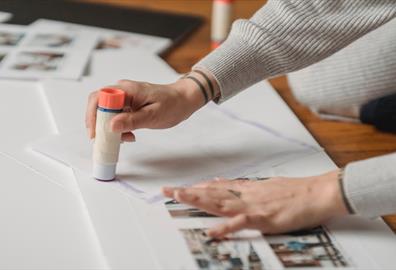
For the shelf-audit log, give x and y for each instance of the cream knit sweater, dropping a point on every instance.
(290, 35)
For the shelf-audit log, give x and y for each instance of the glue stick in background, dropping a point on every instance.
(221, 21)
(107, 143)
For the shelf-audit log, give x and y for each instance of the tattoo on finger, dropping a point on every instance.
(235, 193)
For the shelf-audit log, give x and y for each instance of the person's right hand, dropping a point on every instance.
(149, 106)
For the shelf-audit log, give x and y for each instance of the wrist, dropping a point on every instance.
(191, 96)
(327, 187)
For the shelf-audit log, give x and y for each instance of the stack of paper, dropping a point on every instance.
(58, 216)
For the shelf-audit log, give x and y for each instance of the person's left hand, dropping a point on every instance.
(276, 205)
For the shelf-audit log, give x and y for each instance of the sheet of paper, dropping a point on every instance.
(213, 142)
(122, 237)
(39, 52)
(25, 118)
(131, 65)
(113, 39)
(42, 226)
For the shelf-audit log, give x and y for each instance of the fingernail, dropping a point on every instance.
(212, 233)
(118, 127)
(167, 191)
(90, 133)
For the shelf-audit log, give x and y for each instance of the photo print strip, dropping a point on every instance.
(41, 55)
(313, 248)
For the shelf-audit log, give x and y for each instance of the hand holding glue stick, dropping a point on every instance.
(149, 106)
(107, 143)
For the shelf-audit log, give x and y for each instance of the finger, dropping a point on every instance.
(125, 122)
(226, 184)
(232, 225)
(168, 192)
(90, 116)
(128, 137)
(215, 201)
(131, 87)
(207, 183)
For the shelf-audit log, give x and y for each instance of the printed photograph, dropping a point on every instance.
(213, 254)
(178, 210)
(309, 248)
(51, 40)
(9, 38)
(38, 61)
(117, 42)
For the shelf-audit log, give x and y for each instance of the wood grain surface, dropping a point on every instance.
(343, 142)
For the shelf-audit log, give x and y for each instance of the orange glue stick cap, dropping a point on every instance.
(111, 98)
(225, 1)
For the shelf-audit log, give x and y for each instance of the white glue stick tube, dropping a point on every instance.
(221, 21)
(107, 143)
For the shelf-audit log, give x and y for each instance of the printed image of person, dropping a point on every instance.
(52, 40)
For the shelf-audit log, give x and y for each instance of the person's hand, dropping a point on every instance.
(148, 106)
(276, 205)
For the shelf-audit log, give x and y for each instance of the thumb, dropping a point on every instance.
(128, 121)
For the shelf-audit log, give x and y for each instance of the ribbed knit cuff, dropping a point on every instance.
(370, 186)
(236, 64)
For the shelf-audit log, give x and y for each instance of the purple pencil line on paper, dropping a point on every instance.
(130, 187)
(261, 127)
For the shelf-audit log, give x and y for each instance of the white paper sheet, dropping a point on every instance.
(42, 226)
(131, 65)
(213, 142)
(112, 39)
(25, 118)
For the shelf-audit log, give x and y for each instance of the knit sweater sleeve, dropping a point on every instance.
(288, 35)
(370, 186)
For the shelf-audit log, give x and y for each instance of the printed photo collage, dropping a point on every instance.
(37, 52)
(308, 249)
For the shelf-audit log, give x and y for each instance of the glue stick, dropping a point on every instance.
(221, 21)
(107, 143)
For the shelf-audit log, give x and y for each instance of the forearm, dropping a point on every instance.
(285, 36)
(370, 186)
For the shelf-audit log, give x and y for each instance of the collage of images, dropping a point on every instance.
(62, 50)
(309, 249)
(34, 53)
